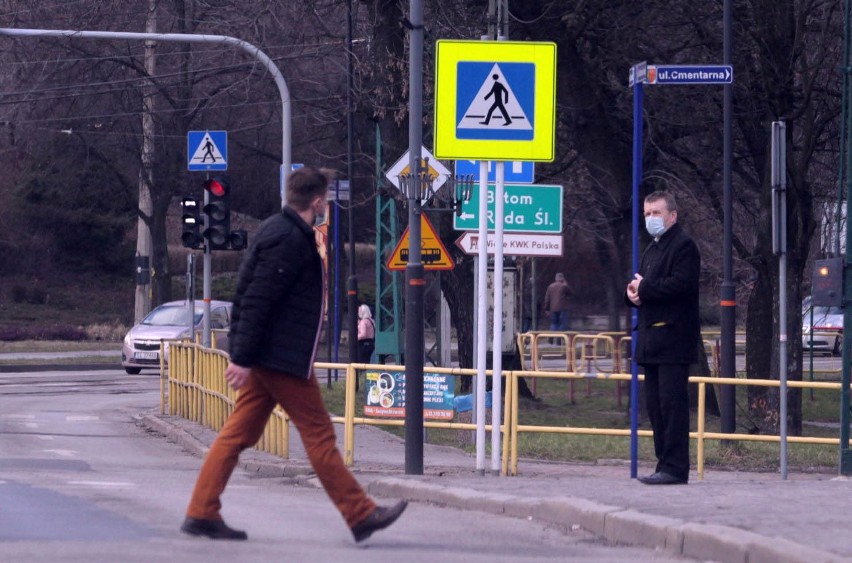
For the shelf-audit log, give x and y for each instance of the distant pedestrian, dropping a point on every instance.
(275, 329)
(556, 303)
(366, 334)
(665, 290)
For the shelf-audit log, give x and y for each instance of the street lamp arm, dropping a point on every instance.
(286, 114)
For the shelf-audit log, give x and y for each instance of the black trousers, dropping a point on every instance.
(667, 401)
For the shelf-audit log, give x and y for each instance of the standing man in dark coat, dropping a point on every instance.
(277, 318)
(666, 292)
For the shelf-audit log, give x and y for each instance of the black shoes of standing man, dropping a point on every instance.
(380, 519)
(662, 478)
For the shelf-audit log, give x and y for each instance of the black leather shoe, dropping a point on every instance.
(380, 519)
(662, 478)
(213, 529)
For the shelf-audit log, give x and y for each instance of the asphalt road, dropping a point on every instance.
(81, 480)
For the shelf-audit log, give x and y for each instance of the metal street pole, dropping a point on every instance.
(728, 301)
(779, 248)
(414, 273)
(352, 280)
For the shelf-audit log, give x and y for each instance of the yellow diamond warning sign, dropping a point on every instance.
(433, 253)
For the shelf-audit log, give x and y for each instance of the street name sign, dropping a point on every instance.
(516, 172)
(533, 208)
(514, 244)
(495, 100)
(206, 150)
(690, 74)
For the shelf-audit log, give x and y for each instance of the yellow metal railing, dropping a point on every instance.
(193, 386)
(197, 390)
(700, 435)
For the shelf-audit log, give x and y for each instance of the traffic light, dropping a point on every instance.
(239, 239)
(827, 282)
(191, 221)
(218, 211)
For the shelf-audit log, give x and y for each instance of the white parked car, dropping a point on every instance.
(825, 335)
(141, 347)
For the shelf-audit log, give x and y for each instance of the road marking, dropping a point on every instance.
(63, 453)
(45, 437)
(18, 416)
(31, 424)
(102, 483)
(81, 418)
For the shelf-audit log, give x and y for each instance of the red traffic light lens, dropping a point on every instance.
(215, 187)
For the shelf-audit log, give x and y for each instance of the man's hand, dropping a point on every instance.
(236, 375)
(633, 289)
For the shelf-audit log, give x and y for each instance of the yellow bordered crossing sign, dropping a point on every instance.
(495, 100)
(433, 253)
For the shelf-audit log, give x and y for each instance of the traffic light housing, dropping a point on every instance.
(190, 235)
(218, 213)
(827, 282)
(238, 239)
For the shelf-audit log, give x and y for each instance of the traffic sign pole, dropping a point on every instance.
(481, 318)
(497, 328)
(414, 277)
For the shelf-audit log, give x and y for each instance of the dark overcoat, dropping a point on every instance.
(669, 327)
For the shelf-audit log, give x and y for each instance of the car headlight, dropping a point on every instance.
(127, 340)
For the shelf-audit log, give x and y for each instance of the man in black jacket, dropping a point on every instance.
(275, 329)
(666, 292)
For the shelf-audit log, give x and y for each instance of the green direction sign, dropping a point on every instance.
(527, 208)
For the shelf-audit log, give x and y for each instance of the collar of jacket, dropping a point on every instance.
(667, 236)
(291, 214)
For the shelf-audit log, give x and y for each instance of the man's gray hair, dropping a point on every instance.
(671, 204)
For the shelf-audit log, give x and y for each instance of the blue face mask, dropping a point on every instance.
(655, 226)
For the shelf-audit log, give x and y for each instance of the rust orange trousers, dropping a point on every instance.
(302, 401)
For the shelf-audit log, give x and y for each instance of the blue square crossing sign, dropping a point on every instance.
(206, 150)
(495, 101)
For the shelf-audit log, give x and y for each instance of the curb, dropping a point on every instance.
(196, 447)
(26, 368)
(707, 542)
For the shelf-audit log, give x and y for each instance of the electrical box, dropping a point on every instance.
(143, 270)
(827, 283)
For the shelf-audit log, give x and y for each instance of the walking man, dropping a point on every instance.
(666, 292)
(501, 96)
(275, 329)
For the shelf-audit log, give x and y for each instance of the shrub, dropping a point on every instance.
(107, 332)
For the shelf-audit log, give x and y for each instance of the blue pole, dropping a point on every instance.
(637, 179)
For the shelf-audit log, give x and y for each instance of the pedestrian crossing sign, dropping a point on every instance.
(207, 150)
(495, 100)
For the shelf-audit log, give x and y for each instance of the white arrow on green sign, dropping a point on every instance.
(527, 208)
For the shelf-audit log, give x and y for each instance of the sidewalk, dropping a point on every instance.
(728, 517)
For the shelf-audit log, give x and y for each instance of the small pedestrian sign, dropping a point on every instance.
(433, 253)
(207, 150)
(499, 98)
(495, 100)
